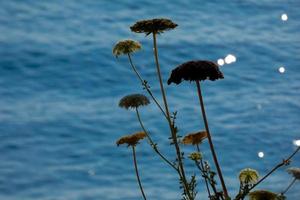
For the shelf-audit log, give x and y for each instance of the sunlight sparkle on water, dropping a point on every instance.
(296, 143)
(230, 59)
(284, 17)
(261, 154)
(221, 62)
(281, 70)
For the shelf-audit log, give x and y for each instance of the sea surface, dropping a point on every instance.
(60, 86)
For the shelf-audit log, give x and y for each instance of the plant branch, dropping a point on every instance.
(210, 141)
(153, 145)
(290, 185)
(146, 86)
(137, 173)
(174, 137)
(203, 171)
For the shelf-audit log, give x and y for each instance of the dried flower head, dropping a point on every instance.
(262, 195)
(198, 70)
(153, 26)
(295, 172)
(194, 138)
(126, 47)
(195, 156)
(133, 101)
(248, 176)
(131, 140)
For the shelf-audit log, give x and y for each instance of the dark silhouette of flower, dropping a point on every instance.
(248, 176)
(198, 70)
(133, 101)
(194, 138)
(195, 156)
(262, 195)
(153, 26)
(131, 140)
(126, 47)
(295, 172)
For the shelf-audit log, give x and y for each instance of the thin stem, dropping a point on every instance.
(153, 145)
(210, 141)
(205, 177)
(137, 173)
(284, 162)
(174, 137)
(144, 83)
(290, 185)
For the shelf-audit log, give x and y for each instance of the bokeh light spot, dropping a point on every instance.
(261, 154)
(284, 17)
(221, 62)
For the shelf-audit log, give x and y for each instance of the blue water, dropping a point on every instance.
(60, 86)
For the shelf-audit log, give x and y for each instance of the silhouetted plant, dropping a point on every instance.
(198, 70)
(133, 140)
(154, 27)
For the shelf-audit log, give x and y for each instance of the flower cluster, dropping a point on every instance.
(126, 47)
(153, 26)
(248, 176)
(194, 138)
(198, 70)
(262, 195)
(195, 156)
(295, 172)
(133, 101)
(131, 140)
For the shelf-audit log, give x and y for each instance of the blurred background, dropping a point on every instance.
(60, 86)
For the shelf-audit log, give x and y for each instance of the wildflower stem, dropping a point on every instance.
(203, 171)
(137, 173)
(290, 185)
(144, 83)
(210, 141)
(284, 162)
(174, 137)
(153, 145)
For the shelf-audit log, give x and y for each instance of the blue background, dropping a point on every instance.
(60, 86)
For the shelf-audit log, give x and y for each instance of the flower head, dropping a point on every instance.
(133, 101)
(198, 70)
(262, 195)
(131, 140)
(195, 156)
(295, 171)
(248, 176)
(194, 138)
(126, 47)
(153, 26)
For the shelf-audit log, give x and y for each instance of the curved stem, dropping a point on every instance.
(202, 166)
(174, 137)
(290, 185)
(153, 145)
(146, 86)
(137, 173)
(210, 141)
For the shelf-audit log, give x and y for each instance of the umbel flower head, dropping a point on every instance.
(195, 156)
(131, 140)
(126, 47)
(248, 176)
(262, 195)
(198, 70)
(153, 26)
(133, 101)
(295, 172)
(194, 138)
